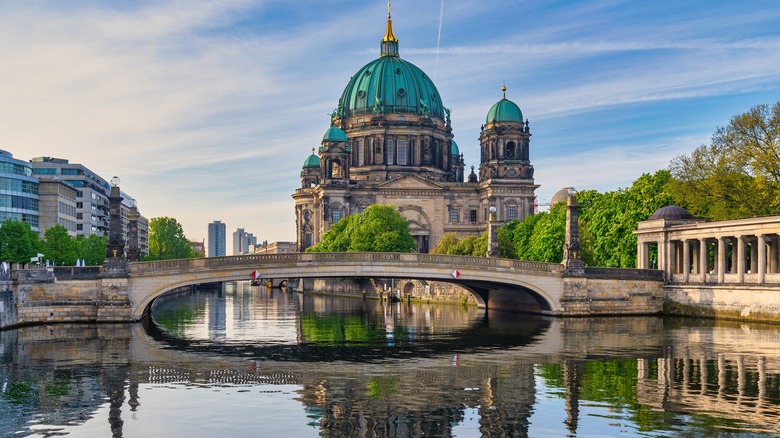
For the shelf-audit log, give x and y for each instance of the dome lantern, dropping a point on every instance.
(389, 44)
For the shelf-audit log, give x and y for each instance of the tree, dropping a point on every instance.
(738, 174)
(167, 240)
(380, 228)
(541, 236)
(92, 249)
(608, 220)
(446, 245)
(18, 242)
(59, 247)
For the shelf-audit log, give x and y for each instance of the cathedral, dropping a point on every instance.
(390, 142)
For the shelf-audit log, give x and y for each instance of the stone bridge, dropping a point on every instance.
(535, 286)
(103, 294)
(496, 283)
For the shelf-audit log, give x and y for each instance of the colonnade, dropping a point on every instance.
(745, 251)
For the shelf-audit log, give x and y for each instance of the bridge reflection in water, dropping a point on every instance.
(489, 368)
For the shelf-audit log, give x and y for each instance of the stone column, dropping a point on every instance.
(686, 262)
(740, 259)
(734, 262)
(572, 251)
(761, 248)
(695, 254)
(721, 260)
(493, 224)
(643, 254)
(704, 255)
(673, 266)
(753, 257)
(773, 255)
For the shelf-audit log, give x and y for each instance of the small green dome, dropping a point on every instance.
(390, 85)
(504, 111)
(311, 161)
(454, 150)
(334, 133)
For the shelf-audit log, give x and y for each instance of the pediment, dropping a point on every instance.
(410, 182)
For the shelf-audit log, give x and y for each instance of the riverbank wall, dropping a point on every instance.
(746, 303)
(70, 294)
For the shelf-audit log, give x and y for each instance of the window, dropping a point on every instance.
(401, 158)
(511, 213)
(45, 171)
(79, 227)
(473, 216)
(390, 158)
(335, 215)
(361, 153)
(70, 172)
(454, 215)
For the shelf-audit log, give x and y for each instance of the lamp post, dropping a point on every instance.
(115, 249)
(492, 245)
(572, 250)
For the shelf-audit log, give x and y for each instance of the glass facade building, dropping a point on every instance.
(19, 199)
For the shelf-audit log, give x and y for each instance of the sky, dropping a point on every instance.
(206, 110)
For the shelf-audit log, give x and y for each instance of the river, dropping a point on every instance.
(244, 362)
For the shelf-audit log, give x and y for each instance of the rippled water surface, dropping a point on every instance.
(244, 362)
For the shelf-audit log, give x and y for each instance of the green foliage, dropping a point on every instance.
(59, 247)
(167, 240)
(541, 237)
(380, 228)
(506, 239)
(446, 245)
(92, 249)
(738, 174)
(18, 242)
(608, 220)
(469, 245)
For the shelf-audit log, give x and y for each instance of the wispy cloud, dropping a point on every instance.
(208, 109)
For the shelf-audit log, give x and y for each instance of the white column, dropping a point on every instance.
(761, 247)
(704, 255)
(773, 255)
(740, 259)
(721, 260)
(686, 262)
(753, 257)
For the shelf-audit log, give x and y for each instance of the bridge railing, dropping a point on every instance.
(258, 260)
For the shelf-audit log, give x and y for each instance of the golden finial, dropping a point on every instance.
(312, 151)
(503, 88)
(389, 43)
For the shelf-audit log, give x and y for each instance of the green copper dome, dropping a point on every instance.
(390, 85)
(454, 150)
(311, 161)
(334, 133)
(504, 111)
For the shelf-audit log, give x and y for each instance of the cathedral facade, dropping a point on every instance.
(390, 142)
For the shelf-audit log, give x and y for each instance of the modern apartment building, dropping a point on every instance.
(91, 199)
(217, 239)
(243, 242)
(57, 206)
(19, 198)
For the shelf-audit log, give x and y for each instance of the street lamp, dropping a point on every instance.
(115, 181)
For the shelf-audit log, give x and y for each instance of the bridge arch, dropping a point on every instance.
(496, 283)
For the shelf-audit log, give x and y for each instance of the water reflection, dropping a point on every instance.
(242, 362)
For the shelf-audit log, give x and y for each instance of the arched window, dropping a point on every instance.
(336, 171)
